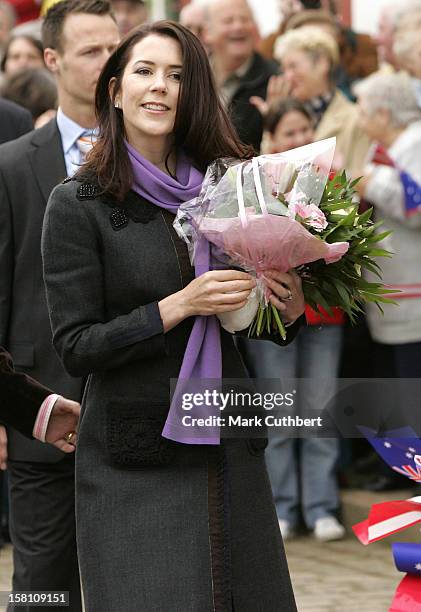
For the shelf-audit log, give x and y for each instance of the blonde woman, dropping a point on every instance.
(309, 58)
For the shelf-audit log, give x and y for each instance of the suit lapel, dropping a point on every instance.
(47, 158)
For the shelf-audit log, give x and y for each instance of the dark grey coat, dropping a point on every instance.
(162, 527)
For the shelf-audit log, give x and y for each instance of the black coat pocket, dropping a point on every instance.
(134, 438)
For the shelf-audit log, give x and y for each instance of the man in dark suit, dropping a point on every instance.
(14, 121)
(23, 402)
(78, 36)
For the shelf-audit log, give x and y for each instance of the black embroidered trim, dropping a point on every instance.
(218, 531)
(87, 191)
(118, 219)
(135, 208)
(135, 441)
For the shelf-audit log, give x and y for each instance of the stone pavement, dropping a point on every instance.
(341, 576)
(5, 569)
(336, 577)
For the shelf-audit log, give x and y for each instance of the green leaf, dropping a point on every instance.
(365, 216)
(379, 237)
(379, 253)
(355, 182)
(368, 265)
(342, 290)
(318, 298)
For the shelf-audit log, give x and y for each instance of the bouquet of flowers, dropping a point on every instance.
(286, 211)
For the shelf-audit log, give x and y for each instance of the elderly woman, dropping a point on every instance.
(407, 48)
(390, 115)
(309, 57)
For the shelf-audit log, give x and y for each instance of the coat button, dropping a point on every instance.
(118, 219)
(86, 191)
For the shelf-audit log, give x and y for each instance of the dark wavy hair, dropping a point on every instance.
(280, 108)
(202, 127)
(33, 89)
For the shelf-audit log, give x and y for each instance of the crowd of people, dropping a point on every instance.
(132, 113)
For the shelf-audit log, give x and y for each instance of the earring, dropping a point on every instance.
(116, 105)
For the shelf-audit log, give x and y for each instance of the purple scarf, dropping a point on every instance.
(202, 358)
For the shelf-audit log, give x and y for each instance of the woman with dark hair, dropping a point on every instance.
(21, 53)
(33, 89)
(288, 124)
(161, 525)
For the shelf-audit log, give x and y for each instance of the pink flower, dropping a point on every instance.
(310, 214)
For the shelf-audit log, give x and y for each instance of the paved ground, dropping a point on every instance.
(341, 576)
(336, 577)
(5, 569)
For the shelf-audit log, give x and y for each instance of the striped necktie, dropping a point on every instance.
(85, 143)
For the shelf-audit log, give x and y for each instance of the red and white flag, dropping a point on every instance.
(387, 518)
(408, 595)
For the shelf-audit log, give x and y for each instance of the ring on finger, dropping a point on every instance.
(289, 296)
(69, 436)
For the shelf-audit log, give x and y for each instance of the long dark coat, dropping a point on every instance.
(162, 527)
(20, 396)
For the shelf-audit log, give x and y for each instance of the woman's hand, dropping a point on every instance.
(211, 293)
(286, 293)
(217, 291)
(278, 89)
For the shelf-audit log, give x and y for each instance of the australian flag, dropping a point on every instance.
(412, 194)
(399, 448)
(412, 189)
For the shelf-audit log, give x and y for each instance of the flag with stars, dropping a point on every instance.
(408, 594)
(412, 192)
(412, 189)
(407, 557)
(400, 449)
